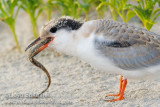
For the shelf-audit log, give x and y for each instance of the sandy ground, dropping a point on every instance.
(74, 83)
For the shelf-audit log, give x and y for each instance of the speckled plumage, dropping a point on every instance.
(143, 49)
(64, 22)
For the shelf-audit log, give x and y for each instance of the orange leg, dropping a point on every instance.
(120, 88)
(123, 83)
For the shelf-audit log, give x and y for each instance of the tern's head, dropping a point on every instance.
(63, 24)
(61, 31)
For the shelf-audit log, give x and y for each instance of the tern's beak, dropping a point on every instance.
(40, 45)
(33, 43)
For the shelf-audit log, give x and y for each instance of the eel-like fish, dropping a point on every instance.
(37, 46)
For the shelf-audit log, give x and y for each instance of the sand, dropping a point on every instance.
(74, 82)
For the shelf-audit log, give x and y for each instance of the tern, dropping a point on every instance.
(114, 47)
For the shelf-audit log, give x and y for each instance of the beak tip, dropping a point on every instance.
(33, 43)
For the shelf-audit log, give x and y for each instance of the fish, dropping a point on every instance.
(34, 49)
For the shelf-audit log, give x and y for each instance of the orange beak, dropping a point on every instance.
(40, 44)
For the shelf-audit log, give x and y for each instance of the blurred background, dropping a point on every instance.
(144, 12)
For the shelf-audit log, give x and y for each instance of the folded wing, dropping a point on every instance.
(128, 47)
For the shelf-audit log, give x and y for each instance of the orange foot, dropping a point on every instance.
(118, 99)
(120, 95)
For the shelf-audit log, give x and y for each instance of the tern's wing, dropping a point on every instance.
(129, 47)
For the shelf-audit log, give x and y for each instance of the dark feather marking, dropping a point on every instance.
(65, 22)
(115, 44)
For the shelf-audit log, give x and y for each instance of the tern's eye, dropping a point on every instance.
(53, 29)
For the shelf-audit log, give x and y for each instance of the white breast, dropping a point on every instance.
(87, 52)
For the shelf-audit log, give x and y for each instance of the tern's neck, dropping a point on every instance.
(69, 42)
(65, 42)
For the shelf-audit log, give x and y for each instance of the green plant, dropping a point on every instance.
(33, 8)
(112, 7)
(101, 8)
(68, 7)
(86, 5)
(8, 13)
(146, 13)
(116, 7)
(122, 9)
(48, 8)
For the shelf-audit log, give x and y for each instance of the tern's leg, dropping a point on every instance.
(123, 83)
(120, 88)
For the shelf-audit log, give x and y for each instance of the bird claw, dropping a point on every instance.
(120, 95)
(116, 95)
(118, 99)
